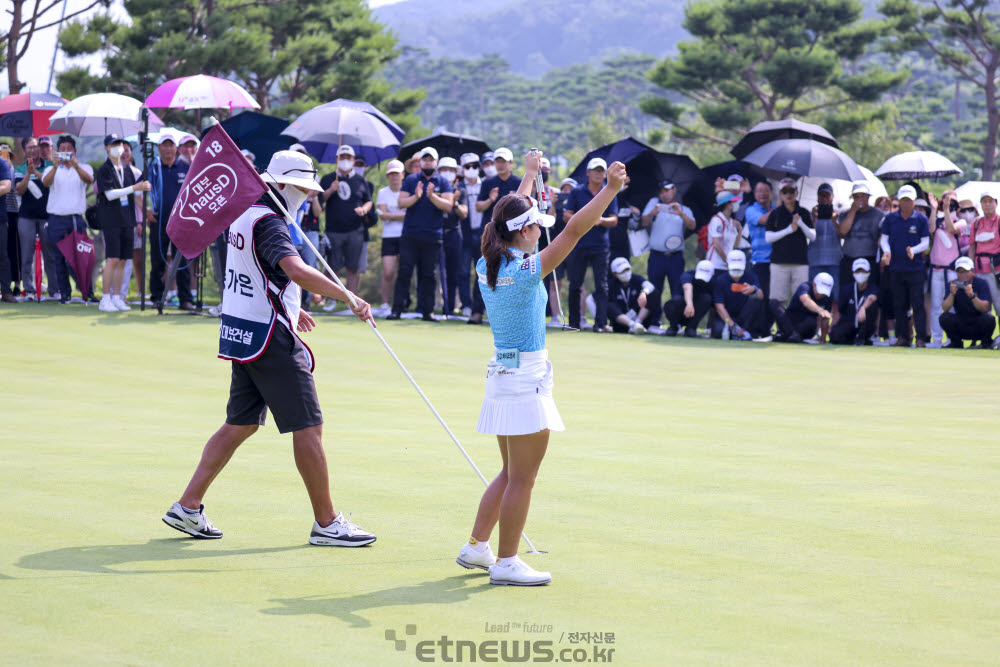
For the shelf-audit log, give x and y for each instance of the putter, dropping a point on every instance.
(543, 206)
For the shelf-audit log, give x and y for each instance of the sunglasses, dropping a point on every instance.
(967, 210)
(788, 191)
(305, 171)
(472, 165)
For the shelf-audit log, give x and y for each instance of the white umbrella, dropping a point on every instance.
(974, 190)
(917, 164)
(841, 190)
(100, 114)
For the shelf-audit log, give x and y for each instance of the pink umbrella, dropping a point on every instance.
(201, 92)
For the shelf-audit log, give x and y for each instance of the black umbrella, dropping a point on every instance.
(258, 133)
(805, 157)
(772, 130)
(648, 169)
(446, 144)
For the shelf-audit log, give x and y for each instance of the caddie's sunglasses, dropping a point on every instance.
(304, 171)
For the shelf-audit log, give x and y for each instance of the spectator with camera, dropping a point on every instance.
(984, 246)
(687, 309)
(858, 307)
(667, 219)
(67, 181)
(739, 301)
(807, 318)
(904, 238)
(824, 252)
(628, 298)
(966, 308)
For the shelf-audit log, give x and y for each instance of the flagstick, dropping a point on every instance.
(371, 324)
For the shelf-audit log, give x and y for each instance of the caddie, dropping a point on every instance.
(271, 366)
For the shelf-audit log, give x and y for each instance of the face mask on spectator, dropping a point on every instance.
(345, 165)
(359, 171)
(471, 175)
(448, 175)
(625, 276)
(735, 274)
(116, 151)
(861, 277)
(428, 171)
(490, 170)
(968, 216)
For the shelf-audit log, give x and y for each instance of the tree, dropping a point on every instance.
(755, 60)
(23, 28)
(964, 35)
(289, 54)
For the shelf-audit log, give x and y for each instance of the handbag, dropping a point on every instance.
(90, 215)
(638, 241)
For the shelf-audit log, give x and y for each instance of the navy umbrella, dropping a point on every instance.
(620, 151)
(258, 133)
(805, 157)
(446, 144)
(772, 130)
(323, 129)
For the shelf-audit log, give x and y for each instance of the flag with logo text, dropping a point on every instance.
(220, 186)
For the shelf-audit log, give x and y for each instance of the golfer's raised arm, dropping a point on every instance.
(582, 221)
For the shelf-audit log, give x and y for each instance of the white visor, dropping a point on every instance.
(530, 217)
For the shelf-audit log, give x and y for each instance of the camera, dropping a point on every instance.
(824, 211)
(64, 156)
(961, 284)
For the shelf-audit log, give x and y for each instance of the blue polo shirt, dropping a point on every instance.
(597, 237)
(963, 305)
(5, 175)
(722, 290)
(424, 219)
(166, 185)
(505, 187)
(760, 248)
(852, 296)
(903, 233)
(798, 311)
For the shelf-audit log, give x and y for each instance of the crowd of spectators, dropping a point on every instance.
(905, 270)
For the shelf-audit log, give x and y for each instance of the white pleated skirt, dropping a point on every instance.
(519, 400)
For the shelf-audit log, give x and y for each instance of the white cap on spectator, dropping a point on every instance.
(597, 163)
(907, 192)
(619, 264)
(735, 177)
(862, 187)
(824, 283)
(569, 181)
(861, 264)
(394, 167)
(469, 158)
(164, 137)
(250, 156)
(965, 263)
(787, 183)
(429, 151)
(921, 203)
(503, 154)
(186, 138)
(448, 163)
(544, 163)
(346, 150)
(736, 259)
(704, 270)
(985, 195)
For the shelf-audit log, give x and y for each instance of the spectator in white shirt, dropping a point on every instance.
(67, 181)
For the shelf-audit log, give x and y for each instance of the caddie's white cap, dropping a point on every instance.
(704, 270)
(293, 168)
(861, 264)
(965, 263)
(346, 150)
(862, 187)
(824, 283)
(448, 163)
(736, 259)
(394, 167)
(469, 158)
(430, 151)
(619, 264)
(907, 192)
(597, 163)
(503, 154)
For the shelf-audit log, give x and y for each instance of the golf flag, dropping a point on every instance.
(219, 187)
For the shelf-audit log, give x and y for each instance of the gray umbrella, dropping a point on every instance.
(805, 157)
(323, 129)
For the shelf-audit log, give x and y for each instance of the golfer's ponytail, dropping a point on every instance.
(497, 238)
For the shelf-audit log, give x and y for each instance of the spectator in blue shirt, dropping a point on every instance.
(688, 308)
(426, 197)
(166, 176)
(970, 298)
(904, 237)
(500, 181)
(667, 220)
(593, 250)
(807, 312)
(858, 307)
(739, 300)
(755, 218)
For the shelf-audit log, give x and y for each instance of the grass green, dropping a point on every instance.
(710, 502)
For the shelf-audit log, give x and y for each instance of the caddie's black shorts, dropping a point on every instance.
(279, 379)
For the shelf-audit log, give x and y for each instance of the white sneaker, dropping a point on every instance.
(470, 558)
(517, 573)
(637, 328)
(383, 310)
(340, 533)
(195, 525)
(106, 305)
(118, 301)
(330, 306)
(466, 312)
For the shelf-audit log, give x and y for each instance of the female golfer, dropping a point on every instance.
(518, 407)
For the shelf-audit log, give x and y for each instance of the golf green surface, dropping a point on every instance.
(710, 503)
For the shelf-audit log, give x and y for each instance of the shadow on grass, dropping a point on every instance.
(443, 591)
(100, 559)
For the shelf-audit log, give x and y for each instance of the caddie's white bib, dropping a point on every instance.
(253, 305)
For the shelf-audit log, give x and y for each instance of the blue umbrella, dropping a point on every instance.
(323, 129)
(258, 133)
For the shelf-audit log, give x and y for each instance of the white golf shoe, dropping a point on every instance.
(195, 525)
(107, 305)
(471, 558)
(118, 301)
(517, 573)
(340, 533)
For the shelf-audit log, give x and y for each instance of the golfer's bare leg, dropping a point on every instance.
(216, 455)
(311, 462)
(524, 457)
(489, 506)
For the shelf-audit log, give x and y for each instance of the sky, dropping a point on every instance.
(34, 67)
